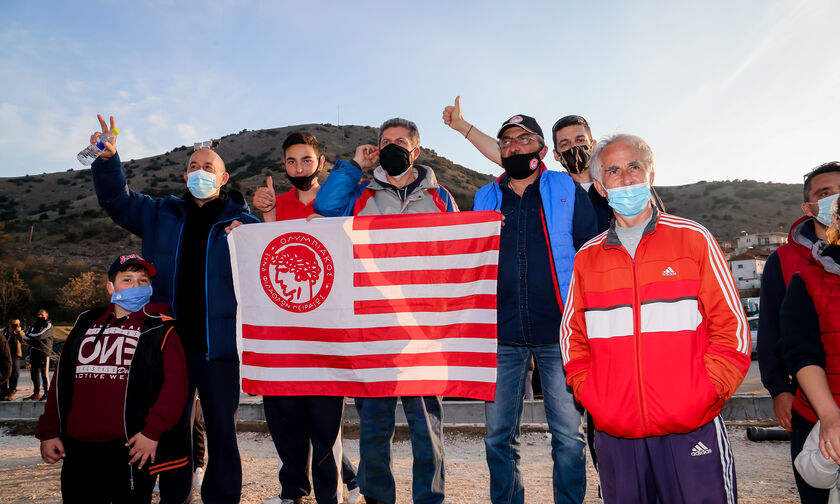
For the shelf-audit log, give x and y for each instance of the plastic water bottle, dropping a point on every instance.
(92, 151)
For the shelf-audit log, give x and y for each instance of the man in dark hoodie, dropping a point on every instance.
(821, 188)
(185, 238)
(40, 339)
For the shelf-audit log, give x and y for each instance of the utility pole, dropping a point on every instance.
(338, 123)
(31, 229)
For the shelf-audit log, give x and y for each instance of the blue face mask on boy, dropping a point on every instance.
(629, 201)
(132, 299)
(201, 184)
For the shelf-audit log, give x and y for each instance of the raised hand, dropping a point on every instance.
(366, 156)
(265, 197)
(110, 148)
(453, 117)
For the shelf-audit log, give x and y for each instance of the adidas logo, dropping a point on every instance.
(699, 448)
(669, 272)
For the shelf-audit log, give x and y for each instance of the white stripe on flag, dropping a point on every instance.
(479, 345)
(426, 290)
(410, 263)
(371, 375)
(420, 234)
(272, 316)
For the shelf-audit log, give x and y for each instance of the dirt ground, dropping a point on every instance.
(763, 470)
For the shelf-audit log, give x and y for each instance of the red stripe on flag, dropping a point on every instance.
(420, 277)
(467, 359)
(474, 302)
(283, 333)
(450, 388)
(427, 248)
(402, 221)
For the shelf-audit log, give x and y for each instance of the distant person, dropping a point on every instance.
(547, 217)
(399, 186)
(114, 412)
(40, 339)
(185, 237)
(809, 321)
(820, 189)
(295, 422)
(5, 360)
(13, 335)
(654, 341)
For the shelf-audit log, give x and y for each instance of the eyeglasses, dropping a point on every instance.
(209, 144)
(521, 140)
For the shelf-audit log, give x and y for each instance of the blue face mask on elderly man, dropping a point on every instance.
(629, 201)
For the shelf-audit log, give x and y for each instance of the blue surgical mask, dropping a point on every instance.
(629, 201)
(132, 299)
(201, 184)
(825, 209)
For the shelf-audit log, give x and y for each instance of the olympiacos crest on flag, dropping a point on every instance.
(296, 271)
(368, 306)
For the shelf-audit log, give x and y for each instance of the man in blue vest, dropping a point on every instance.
(547, 217)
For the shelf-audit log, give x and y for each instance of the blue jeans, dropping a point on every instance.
(376, 431)
(503, 417)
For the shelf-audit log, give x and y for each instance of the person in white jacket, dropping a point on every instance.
(815, 469)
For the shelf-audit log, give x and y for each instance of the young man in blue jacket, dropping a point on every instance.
(547, 217)
(185, 238)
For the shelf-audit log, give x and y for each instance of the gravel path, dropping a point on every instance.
(763, 470)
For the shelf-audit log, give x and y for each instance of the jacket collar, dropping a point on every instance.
(424, 174)
(827, 256)
(612, 237)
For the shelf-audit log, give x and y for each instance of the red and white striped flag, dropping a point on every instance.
(392, 305)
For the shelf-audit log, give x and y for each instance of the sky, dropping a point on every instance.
(721, 90)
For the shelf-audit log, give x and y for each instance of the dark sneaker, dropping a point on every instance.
(33, 397)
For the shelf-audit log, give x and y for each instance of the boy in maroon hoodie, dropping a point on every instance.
(114, 409)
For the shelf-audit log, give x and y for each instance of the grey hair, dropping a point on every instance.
(413, 132)
(595, 167)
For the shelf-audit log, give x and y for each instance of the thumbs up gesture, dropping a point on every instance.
(453, 117)
(264, 197)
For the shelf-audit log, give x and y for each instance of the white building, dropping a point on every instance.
(747, 268)
(765, 241)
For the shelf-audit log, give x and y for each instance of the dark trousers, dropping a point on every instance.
(807, 493)
(294, 423)
(39, 364)
(676, 468)
(9, 388)
(98, 473)
(348, 472)
(217, 382)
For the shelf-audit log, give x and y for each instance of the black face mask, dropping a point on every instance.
(576, 159)
(520, 166)
(303, 183)
(395, 159)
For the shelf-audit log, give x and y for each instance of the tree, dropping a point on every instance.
(82, 292)
(14, 293)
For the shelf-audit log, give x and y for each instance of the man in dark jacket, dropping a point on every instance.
(40, 339)
(5, 360)
(185, 238)
(14, 337)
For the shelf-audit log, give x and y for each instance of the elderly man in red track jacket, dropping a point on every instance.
(654, 340)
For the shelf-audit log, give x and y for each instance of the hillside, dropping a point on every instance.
(71, 234)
